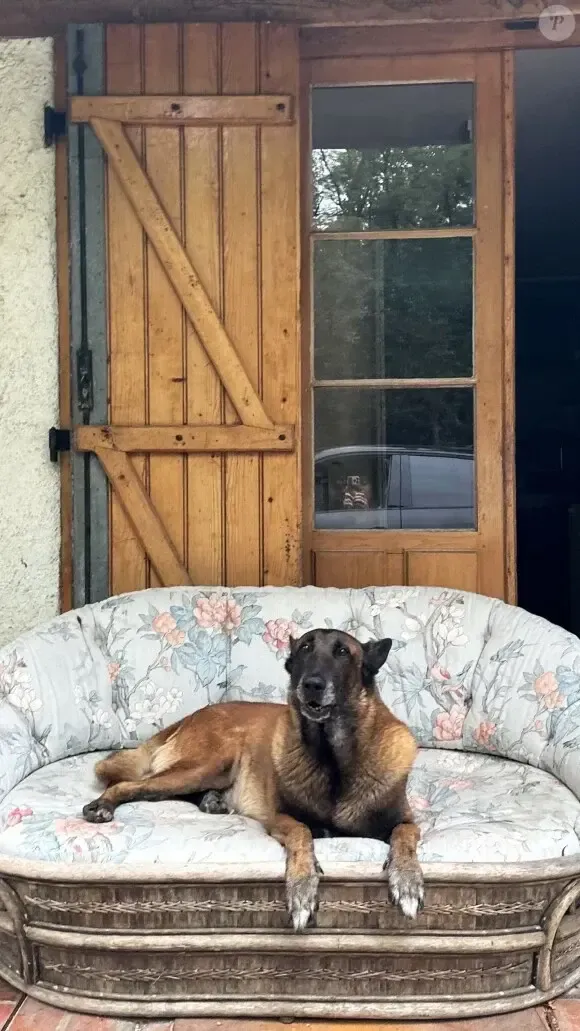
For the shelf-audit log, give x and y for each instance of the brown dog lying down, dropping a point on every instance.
(334, 759)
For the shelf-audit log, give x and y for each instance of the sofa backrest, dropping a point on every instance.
(464, 672)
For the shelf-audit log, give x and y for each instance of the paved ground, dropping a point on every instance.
(21, 1014)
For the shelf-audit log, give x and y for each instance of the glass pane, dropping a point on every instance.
(393, 308)
(394, 459)
(392, 157)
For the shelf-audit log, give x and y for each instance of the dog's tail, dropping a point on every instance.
(154, 756)
(128, 764)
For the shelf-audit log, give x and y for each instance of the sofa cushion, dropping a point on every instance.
(114, 672)
(470, 808)
(465, 672)
(525, 695)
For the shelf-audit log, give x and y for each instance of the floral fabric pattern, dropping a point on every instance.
(469, 808)
(468, 674)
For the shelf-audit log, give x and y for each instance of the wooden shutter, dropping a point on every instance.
(199, 128)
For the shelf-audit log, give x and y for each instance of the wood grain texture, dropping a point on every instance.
(180, 271)
(217, 198)
(489, 324)
(184, 439)
(126, 306)
(31, 17)
(421, 68)
(458, 570)
(350, 569)
(177, 110)
(139, 510)
(280, 248)
(165, 321)
(414, 39)
(241, 263)
(203, 231)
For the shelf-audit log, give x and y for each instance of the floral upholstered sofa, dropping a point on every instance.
(91, 915)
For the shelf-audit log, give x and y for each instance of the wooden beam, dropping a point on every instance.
(181, 273)
(138, 508)
(424, 38)
(186, 439)
(193, 111)
(32, 17)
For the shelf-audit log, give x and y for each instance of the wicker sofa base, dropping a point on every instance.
(491, 939)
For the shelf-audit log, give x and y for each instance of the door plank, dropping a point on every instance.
(357, 569)
(138, 507)
(205, 394)
(241, 258)
(184, 439)
(183, 110)
(126, 303)
(185, 280)
(489, 324)
(165, 322)
(457, 570)
(279, 157)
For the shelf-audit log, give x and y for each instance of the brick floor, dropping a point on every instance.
(21, 1014)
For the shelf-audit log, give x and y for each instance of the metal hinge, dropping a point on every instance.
(85, 401)
(54, 125)
(58, 440)
(521, 24)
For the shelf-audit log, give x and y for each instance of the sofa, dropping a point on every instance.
(168, 911)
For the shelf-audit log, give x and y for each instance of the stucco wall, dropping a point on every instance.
(29, 483)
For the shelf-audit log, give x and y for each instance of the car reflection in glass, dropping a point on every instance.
(380, 488)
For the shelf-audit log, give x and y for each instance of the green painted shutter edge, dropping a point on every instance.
(88, 314)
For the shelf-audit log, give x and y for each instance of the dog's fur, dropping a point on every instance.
(334, 759)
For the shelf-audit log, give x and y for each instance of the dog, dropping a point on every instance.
(333, 760)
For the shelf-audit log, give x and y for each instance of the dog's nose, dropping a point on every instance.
(314, 684)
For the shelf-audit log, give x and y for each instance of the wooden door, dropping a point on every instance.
(408, 297)
(197, 435)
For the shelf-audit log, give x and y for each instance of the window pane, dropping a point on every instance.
(396, 459)
(393, 308)
(392, 157)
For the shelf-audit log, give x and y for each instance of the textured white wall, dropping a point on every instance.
(29, 483)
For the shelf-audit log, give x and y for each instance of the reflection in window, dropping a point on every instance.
(392, 157)
(397, 459)
(393, 308)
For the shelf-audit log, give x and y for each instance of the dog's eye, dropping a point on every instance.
(341, 649)
(306, 647)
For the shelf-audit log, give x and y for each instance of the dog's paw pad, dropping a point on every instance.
(302, 898)
(406, 888)
(98, 812)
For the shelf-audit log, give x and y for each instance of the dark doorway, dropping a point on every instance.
(548, 333)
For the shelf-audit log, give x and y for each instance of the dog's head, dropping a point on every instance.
(330, 672)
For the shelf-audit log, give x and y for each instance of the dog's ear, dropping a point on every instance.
(375, 655)
(290, 659)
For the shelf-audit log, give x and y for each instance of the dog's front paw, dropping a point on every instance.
(302, 899)
(406, 887)
(98, 812)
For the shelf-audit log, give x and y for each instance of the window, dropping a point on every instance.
(392, 272)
